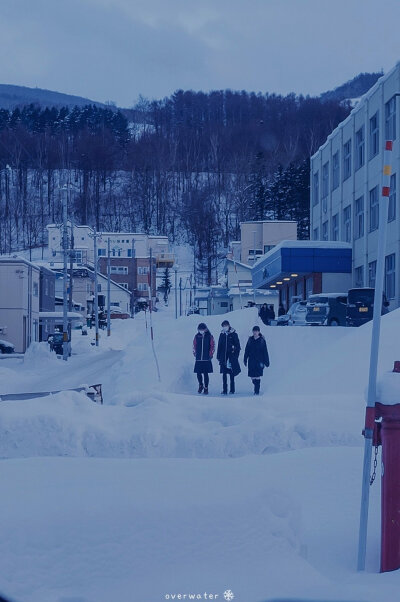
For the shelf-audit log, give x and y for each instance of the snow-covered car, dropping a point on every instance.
(298, 313)
(6, 347)
(296, 316)
(327, 309)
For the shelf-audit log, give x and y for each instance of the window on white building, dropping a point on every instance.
(101, 252)
(374, 135)
(325, 180)
(325, 231)
(335, 227)
(35, 289)
(390, 119)
(392, 199)
(124, 284)
(347, 223)
(347, 160)
(373, 209)
(359, 276)
(316, 188)
(315, 234)
(390, 276)
(371, 274)
(335, 170)
(359, 217)
(360, 148)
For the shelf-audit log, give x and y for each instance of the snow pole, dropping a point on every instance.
(151, 314)
(238, 283)
(373, 365)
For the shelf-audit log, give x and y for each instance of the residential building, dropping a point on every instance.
(83, 289)
(301, 268)
(133, 274)
(259, 237)
(346, 181)
(47, 298)
(19, 301)
(122, 244)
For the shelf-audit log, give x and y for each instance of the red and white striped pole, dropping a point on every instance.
(373, 365)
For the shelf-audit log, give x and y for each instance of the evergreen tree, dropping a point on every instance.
(166, 281)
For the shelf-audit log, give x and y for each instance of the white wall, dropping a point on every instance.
(362, 180)
(336, 283)
(19, 303)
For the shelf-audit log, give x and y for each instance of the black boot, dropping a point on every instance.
(205, 390)
(257, 383)
(224, 384)
(232, 389)
(201, 387)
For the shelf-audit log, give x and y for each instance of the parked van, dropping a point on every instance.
(360, 306)
(327, 309)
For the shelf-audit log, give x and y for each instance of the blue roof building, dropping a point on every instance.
(303, 267)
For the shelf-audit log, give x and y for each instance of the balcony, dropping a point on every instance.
(165, 260)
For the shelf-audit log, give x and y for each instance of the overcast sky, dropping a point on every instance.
(118, 49)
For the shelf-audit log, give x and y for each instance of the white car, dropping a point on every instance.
(297, 313)
(296, 316)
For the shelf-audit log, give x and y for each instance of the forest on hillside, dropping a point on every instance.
(191, 166)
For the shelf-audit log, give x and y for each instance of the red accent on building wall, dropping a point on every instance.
(385, 191)
(317, 283)
(389, 145)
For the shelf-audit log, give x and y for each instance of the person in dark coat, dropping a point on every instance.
(228, 356)
(256, 355)
(271, 313)
(281, 310)
(203, 351)
(264, 314)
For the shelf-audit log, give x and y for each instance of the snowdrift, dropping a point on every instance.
(313, 393)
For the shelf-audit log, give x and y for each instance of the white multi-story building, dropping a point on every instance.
(346, 182)
(122, 244)
(19, 301)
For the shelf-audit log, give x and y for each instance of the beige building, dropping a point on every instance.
(122, 244)
(257, 238)
(19, 301)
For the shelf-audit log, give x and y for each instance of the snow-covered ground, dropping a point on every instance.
(162, 491)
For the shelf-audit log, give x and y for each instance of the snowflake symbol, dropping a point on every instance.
(228, 594)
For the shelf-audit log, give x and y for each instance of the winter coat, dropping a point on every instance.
(264, 314)
(228, 351)
(256, 354)
(203, 351)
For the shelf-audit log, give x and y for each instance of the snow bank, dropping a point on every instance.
(313, 393)
(278, 526)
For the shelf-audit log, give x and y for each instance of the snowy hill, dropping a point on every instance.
(256, 495)
(16, 96)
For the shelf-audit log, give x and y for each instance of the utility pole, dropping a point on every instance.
(180, 296)
(96, 287)
(254, 260)
(65, 275)
(190, 280)
(108, 289)
(176, 291)
(71, 268)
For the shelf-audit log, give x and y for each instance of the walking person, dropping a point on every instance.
(271, 314)
(203, 351)
(256, 355)
(228, 356)
(264, 314)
